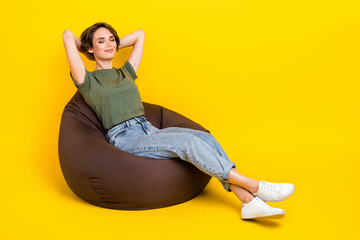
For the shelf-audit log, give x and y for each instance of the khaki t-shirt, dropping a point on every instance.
(112, 94)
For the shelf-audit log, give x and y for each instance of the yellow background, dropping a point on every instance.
(276, 82)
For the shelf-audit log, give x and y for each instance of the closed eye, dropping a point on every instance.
(112, 39)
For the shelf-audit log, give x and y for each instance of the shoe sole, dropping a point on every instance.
(275, 216)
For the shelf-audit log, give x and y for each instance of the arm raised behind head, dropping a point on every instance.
(72, 45)
(136, 39)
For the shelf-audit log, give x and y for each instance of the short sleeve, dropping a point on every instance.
(128, 68)
(81, 85)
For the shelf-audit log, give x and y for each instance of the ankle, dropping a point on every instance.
(247, 199)
(254, 187)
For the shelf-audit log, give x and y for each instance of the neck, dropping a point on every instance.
(103, 64)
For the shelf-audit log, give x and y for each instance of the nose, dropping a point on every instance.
(108, 44)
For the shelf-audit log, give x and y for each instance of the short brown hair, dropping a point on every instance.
(87, 35)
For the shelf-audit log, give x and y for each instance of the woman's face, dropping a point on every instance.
(104, 44)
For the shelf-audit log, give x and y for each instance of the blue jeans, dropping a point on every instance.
(139, 137)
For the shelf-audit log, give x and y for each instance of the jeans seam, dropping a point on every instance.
(148, 148)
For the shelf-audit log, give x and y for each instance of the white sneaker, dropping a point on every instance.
(274, 192)
(257, 208)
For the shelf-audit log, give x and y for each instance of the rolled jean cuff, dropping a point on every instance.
(225, 181)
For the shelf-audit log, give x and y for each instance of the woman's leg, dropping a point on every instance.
(205, 136)
(142, 139)
(235, 177)
(244, 195)
(249, 184)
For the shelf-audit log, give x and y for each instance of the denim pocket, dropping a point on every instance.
(120, 132)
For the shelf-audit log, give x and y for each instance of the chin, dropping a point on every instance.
(109, 57)
(106, 57)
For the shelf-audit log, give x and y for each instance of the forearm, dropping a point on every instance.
(130, 39)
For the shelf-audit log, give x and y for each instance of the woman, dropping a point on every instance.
(113, 95)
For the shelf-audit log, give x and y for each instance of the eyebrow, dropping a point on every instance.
(104, 37)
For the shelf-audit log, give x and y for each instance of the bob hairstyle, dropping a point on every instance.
(87, 36)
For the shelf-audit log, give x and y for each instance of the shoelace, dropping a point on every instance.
(271, 187)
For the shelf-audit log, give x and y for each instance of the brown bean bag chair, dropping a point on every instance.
(106, 176)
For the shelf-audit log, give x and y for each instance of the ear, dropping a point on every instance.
(90, 50)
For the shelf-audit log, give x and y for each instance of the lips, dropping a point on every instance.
(109, 50)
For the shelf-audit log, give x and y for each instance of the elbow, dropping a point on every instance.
(141, 32)
(66, 33)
